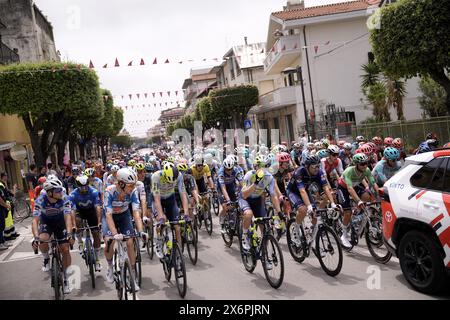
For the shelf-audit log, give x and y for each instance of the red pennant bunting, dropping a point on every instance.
(155, 62)
(161, 94)
(145, 95)
(126, 107)
(117, 63)
(154, 104)
(166, 104)
(216, 59)
(168, 93)
(160, 104)
(143, 106)
(91, 65)
(105, 66)
(130, 95)
(153, 93)
(176, 93)
(171, 102)
(167, 61)
(137, 95)
(142, 62)
(131, 63)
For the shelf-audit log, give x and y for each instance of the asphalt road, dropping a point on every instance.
(219, 274)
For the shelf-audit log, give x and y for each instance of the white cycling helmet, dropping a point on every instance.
(208, 158)
(198, 159)
(333, 148)
(232, 157)
(115, 168)
(348, 146)
(50, 184)
(52, 177)
(126, 175)
(228, 163)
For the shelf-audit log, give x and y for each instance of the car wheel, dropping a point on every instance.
(421, 262)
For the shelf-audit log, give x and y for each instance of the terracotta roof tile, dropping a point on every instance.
(324, 10)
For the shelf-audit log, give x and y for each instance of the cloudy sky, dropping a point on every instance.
(177, 30)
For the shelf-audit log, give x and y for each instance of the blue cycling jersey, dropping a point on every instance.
(44, 208)
(114, 204)
(226, 179)
(84, 201)
(301, 179)
(383, 172)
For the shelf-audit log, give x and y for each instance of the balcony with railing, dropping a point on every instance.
(277, 99)
(282, 54)
(7, 55)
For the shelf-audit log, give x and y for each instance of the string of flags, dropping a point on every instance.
(167, 103)
(147, 95)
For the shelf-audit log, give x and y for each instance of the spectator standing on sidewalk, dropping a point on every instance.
(32, 177)
(9, 232)
(4, 209)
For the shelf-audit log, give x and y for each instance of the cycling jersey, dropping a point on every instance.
(345, 159)
(353, 177)
(280, 177)
(267, 182)
(200, 174)
(165, 189)
(328, 167)
(301, 179)
(297, 157)
(84, 201)
(110, 180)
(45, 209)
(140, 188)
(383, 171)
(115, 205)
(229, 181)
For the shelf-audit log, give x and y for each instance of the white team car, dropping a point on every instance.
(416, 219)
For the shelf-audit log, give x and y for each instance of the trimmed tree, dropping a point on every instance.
(432, 100)
(414, 40)
(45, 95)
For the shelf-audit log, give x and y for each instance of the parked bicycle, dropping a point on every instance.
(266, 249)
(320, 238)
(173, 257)
(123, 277)
(22, 209)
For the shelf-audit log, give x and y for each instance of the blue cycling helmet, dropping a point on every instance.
(424, 147)
(148, 167)
(391, 153)
(311, 160)
(109, 166)
(323, 153)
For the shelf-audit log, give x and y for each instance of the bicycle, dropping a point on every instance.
(214, 202)
(123, 278)
(205, 213)
(57, 270)
(327, 244)
(137, 250)
(189, 238)
(266, 249)
(173, 257)
(368, 222)
(148, 228)
(89, 254)
(231, 223)
(22, 209)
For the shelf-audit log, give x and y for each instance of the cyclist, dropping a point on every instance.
(228, 174)
(52, 216)
(387, 167)
(70, 183)
(200, 170)
(38, 189)
(94, 182)
(86, 202)
(307, 180)
(353, 184)
(359, 141)
(190, 186)
(397, 143)
(346, 155)
(332, 165)
(252, 201)
(296, 154)
(117, 199)
(112, 178)
(164, 204)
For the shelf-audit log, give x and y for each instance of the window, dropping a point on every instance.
(276, 123)
(447, 178)
(290, 127)
(437, 182)
(422, 178)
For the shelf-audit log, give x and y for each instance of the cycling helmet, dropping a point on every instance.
(348, 146)
(360, 158)
(50, 184)
(296, 145)
(432, 143)
(228, 163)
(52, 177)
(152, 159)
(333, 149)
(182, 167)
(75, 170)
(115, 168)
(109, 161)
(323, 153)
(377, 140)
(109, 166)
(140, 166)
(260, 161)
(341, 143)
(233, 157)
(263, 149)
(366, 149)
(325, 142)
(116, 162)
(360, 139)
(310, 145)
(89, 172)
(388, 141)
(148, 167)
(126, 175)
(170, 172)
(311, 160)
(171, 159)
(131, 163)
(319, 145)
(82, 181)
(431, 135)
(391, 153)
(271, 158)
(424, 147)
(283, 157)
(198, 159)
(41, 180)
(397, 143)
(208, 158)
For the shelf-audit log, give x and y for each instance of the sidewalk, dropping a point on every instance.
(20, 245)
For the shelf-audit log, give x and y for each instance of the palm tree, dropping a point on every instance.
(395, 93)
(371, 75)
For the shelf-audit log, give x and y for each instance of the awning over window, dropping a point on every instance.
(7, 145)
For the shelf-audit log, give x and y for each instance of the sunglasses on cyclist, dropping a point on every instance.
(57, 190)
(334, 154)
(363, 164)
(315, 166)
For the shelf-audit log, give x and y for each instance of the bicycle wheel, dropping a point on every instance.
(209, 222)
(118, 281)
(374, 239)
(128, 282)
(56, 279)
(90, 260)
(272, 261)
(149, 248)
(199, 218)
(328, 249)
(298, 252)
(195, 229)
(228, 235)
(248, 257)
(215, 204)
(179, 271)
(191, 244)
(138, 263)
(22, 210)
